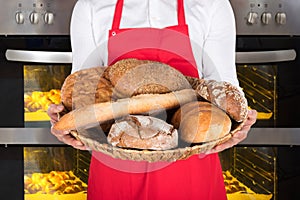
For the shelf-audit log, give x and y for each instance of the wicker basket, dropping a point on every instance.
(99, 144)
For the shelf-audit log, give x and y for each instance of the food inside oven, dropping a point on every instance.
(42, 85)
(55, 173)
(249, 172)
(259, 85)
(62, 173)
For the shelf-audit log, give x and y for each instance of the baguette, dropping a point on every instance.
(91, 115)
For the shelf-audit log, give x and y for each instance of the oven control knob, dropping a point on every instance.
(252, 18)
(49, 18)
(34, 18)
(280, 18)
(19, 18)
(266, 17)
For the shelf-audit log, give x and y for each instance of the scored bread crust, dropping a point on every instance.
(91, 115)
(225, 96)
(200, 122)
(143, 132)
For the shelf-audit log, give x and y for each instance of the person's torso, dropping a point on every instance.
(155, 14)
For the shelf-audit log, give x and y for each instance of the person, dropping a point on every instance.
(195, 37)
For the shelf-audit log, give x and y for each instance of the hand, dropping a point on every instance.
(63, 136)
(238, 136)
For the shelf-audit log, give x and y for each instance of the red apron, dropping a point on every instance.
(194, 178)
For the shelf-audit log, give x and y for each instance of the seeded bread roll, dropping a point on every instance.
(132, 77)
(143, 132)
(200, 122)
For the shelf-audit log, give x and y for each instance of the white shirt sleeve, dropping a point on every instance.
(219, 46)
(82, 37)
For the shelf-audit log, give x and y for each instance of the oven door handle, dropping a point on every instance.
(253, 57)
(38, 56)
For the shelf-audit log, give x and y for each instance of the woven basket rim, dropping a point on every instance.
(180, 153)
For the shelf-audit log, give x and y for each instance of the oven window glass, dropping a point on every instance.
(250, 172)
(42, 85)
(259, 83)
(55, 172)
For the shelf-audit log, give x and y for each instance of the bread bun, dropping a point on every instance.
(143, 132)
(200, 122)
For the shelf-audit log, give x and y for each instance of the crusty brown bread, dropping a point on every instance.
(132, 77)
(85, 87)
(225, 96)
(92, 115)
(125, 78)
(100, 95)
(143, 132)
(117, 70)
(200, 122)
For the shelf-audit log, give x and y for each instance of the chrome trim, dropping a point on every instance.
(256, 136)
(27, 136)
(265, 56)
(38, 56)
(273, 136)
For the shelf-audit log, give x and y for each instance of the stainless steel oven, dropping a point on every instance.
(34, 42)
(268, 64)
(35, 58)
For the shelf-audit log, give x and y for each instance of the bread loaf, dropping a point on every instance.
(143, 132)
(125, 78)
(200, 122)
(85, 87)
(132, 77)
(225, 96)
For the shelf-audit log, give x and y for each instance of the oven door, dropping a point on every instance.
(32, 69)
(268, 69)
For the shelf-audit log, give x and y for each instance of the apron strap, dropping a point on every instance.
(118, 14)
(180, 12)
(119, 9)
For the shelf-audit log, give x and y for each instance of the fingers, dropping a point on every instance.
(67, 138)
(63, 136)
(251, 118)
(53, 111)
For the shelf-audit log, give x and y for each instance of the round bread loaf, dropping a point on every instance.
(131, 77)
(85, 87)
(200, 122)
(143, 132)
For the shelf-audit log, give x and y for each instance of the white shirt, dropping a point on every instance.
(211, 29)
